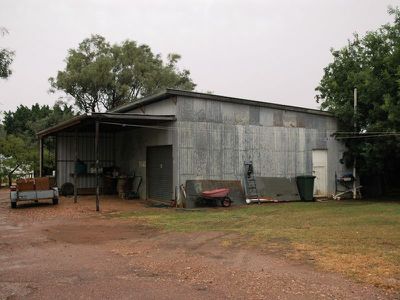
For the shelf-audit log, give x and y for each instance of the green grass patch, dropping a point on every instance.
(358, 238)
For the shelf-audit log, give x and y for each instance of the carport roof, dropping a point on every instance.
(108, 118)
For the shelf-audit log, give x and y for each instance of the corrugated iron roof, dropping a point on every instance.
(111, 117)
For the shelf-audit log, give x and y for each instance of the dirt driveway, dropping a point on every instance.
(70, 252)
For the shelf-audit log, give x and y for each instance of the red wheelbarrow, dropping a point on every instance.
(217, 195)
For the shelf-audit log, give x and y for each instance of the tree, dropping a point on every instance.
(6, 58)
(18, 143)
(26, 121)
(372, 65)
(102, 76)
(15, 154)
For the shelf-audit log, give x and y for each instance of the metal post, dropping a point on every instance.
(75, 174)
(56, 159)
(96, 150)
(355, 130)
(40, 157)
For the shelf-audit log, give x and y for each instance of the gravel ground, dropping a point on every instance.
(71, 252)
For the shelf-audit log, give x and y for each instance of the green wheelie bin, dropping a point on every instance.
(305, 186)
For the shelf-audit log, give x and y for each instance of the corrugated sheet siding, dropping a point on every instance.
(131, 151)
(214, 140)
(66, 156)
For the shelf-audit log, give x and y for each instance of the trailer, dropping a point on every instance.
(33, 189)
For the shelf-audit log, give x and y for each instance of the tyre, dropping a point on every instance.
(55, 201)
(226, 202)
(13, 204)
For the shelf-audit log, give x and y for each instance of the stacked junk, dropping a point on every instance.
(196, 193)
(248, 190)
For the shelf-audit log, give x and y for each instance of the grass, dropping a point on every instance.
(360, 239)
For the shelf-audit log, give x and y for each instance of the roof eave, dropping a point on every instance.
(120, 118)
(60, 126)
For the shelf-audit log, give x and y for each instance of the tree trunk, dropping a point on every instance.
(9, 179)
(10, 175)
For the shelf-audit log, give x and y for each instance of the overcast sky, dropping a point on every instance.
(269, 50)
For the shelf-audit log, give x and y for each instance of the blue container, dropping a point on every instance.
(80, 167)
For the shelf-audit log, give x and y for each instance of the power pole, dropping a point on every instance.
(355, 130)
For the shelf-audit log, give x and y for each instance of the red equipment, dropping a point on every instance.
(217, 195)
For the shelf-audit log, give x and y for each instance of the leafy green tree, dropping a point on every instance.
(18, 142)
(102, 76)
(372, 65)
(6, 58)
(26, 121)
(16, 154)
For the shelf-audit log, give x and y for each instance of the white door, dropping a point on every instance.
(320, 171)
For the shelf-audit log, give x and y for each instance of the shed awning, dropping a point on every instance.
(86, 121)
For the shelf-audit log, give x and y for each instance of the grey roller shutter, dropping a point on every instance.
(159, 172)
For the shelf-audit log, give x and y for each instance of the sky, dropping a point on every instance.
(269, 50)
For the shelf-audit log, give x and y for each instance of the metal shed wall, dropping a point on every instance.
(131, 145)
(131, 150)
(66, 155)
(215, 138)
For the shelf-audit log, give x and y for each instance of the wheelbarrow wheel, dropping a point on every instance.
(226, 202)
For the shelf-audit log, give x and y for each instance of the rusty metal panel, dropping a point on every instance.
(283, 189)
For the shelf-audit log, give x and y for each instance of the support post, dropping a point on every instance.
(40, 157)
(56, 159)
(96, 150)
(75, 174)
(355, 130)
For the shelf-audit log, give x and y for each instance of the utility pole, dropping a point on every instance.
(355, 130)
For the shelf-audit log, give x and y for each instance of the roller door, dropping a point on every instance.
(159, 172)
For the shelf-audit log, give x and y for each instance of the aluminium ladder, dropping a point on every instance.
(250, 182)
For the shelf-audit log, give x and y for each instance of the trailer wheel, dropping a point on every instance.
(55, 201)
(13, 204)
(226, 202)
